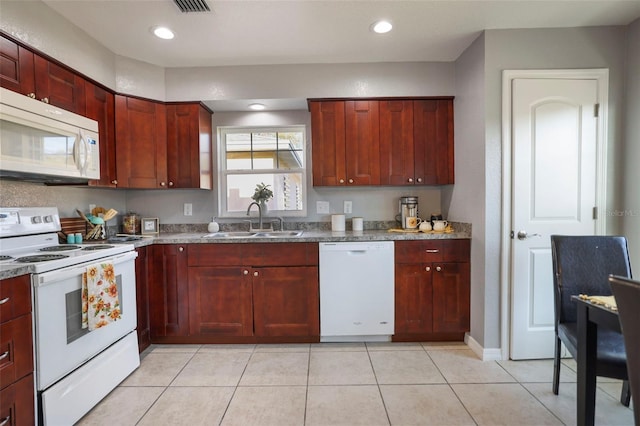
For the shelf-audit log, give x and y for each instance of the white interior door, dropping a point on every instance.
(554, 180)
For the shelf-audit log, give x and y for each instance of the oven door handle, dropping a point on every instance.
(47, 278)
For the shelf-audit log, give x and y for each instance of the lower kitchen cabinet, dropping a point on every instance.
(142, 298)
(263, 292)
(168, 292)
(17, 405)
(432, 295)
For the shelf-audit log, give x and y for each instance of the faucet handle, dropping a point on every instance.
(250, 224)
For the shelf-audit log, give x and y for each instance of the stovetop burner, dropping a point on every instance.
(61, 247)
(98, 247)
(40, 258)
(5, 257)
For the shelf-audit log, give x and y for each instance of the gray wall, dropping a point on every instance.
(630, 205)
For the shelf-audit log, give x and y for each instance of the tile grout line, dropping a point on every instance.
(235, 388)
(375, 376)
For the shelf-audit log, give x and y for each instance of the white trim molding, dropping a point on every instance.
(490, 354)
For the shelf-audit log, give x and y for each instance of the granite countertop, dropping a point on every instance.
(461, 232)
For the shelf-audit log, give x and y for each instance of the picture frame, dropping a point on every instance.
(150, 225)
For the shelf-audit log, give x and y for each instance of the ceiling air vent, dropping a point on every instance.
(192, 5)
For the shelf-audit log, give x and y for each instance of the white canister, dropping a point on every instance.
(337, 223)
(357, 223)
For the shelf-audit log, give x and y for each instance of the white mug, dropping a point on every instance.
(440, 225)
(412, 222)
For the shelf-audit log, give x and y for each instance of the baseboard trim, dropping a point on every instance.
(492, 354)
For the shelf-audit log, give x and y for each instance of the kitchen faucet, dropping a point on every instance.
(259, 216)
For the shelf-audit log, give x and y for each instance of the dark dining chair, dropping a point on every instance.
(627, 294)
(582, 265)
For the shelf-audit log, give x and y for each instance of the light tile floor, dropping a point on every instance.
(345, 384)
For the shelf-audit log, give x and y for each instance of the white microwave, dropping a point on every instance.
(44, 143)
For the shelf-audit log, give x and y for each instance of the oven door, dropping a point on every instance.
(61, 344)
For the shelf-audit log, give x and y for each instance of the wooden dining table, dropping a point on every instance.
(591, 316)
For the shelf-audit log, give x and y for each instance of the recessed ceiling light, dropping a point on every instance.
(256, 107)
(163, 33)
(381, 27)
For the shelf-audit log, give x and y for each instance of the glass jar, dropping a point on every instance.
(131, 223)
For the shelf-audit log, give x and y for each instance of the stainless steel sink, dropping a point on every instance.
(278, 234)
(254, 234)
(230, 234)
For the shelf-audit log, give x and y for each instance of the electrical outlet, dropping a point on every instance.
(348, 207)
(188, 209)
(322, 207)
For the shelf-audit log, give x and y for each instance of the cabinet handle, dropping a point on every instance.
(115, 181)
(255, 274)
(4, 355)
(170, 183)
(410, 180)
(180, 248)
(419, 180)
(350, 180)
(45, 100)
(245, 272)
(6, 420)
(31, 95)
(163, 184)
(432, 250)
(341, 180)
(5, 300)
(438, 268)
(427, 268)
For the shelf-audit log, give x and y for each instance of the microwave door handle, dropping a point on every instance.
(81, 158)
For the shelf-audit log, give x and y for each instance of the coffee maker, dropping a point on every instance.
(408, 208)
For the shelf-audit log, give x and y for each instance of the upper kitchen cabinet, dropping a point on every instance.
(17, 72)
(33, 75)
(189, 133)
(397, 156)
(100, 104)
(141, 141)
(433, 141)
(345, 142)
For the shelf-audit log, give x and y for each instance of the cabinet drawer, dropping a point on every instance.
(214, 254)
(15, 350)
(280, 254)
(428, 251)
(16, 403)
(15, 297)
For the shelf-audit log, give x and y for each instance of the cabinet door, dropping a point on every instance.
(16, 348)
(220, 301)
(141, 143)
(362, 144)
(188, 146)
(413, 298)
(17, 405)
(433, 139)
(328, 143)
(396, 143)
(168, 291)
(17, 71)
(451, 297)
(142, 298)
(100, 105)
(286, 301)
(60, 86)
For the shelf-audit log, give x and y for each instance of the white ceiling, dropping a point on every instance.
(245, 32)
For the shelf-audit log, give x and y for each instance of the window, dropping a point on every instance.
(273, 156)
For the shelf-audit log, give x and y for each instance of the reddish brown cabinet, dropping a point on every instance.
(142, 298)
(17, 71)
(168, 291)
(100, 106)
(328, 139)
(16, 352)
(254, 292)
(433, 141)
(432, 295)
(189, 132)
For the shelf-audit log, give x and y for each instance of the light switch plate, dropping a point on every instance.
(322, 207)
(188, 209)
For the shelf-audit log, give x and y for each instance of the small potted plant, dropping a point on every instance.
(262, 195)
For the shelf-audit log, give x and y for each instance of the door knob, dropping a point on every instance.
(522, 235)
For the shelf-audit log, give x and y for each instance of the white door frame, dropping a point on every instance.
(602, 76)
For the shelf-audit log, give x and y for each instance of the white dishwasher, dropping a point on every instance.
(356, 291)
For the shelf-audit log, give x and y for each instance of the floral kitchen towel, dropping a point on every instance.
(100, 304)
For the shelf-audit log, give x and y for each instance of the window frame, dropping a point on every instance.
(223, 173)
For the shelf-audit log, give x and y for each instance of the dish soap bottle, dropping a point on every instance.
(213, 226)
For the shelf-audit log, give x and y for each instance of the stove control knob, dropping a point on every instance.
(48, 219)
(36, 219)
